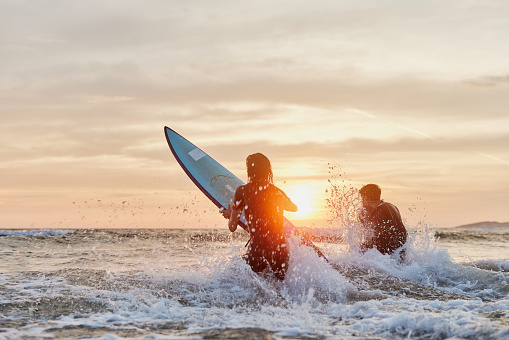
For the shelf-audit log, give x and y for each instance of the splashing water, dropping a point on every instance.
(344, 205)
(194, 284)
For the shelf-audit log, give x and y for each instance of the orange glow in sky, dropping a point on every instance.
(307, 198)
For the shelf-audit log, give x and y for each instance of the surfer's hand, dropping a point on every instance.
(226, 212)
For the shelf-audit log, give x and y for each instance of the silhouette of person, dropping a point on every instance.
(263, 204)
(383, 221)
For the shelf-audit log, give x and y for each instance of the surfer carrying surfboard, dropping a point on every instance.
(383, 221)
(263, 204)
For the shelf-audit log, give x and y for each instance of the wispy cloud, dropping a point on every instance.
(46, 40)
(496, 159)
(420, 133)
(107, 99)
(362, 113)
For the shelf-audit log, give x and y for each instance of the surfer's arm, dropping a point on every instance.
(233, 221)
(233, 212)
(288, 205)
(231, 215)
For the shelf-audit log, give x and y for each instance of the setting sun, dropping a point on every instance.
(307, 198)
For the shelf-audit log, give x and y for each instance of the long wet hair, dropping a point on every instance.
(259, 170)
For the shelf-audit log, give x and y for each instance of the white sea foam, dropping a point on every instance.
(500, 265)
(38, 232)
(315, 299)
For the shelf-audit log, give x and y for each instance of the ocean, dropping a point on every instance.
(193, 284)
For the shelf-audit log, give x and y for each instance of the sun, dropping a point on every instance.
(305, 196)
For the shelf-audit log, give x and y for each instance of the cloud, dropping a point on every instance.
(46, 40)
(107, 99)
(392, 97)
(495, 158)
(362, 147)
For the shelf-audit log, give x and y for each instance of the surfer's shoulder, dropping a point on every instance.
(241, 188)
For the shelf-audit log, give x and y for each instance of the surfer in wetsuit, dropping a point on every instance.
(263, 204)
(383, 221)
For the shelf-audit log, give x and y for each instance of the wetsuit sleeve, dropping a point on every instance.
(238, 200)
(288, 205)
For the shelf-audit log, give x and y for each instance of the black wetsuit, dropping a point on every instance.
(263, 209)
(388, 229)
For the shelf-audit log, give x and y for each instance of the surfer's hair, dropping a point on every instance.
(259, 170)
(371, 192)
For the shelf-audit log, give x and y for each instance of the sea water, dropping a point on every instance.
(193, 284)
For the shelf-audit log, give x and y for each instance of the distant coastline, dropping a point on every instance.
(484, 225)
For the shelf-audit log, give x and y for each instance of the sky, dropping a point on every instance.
(411, 95)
